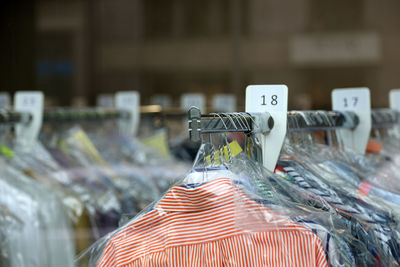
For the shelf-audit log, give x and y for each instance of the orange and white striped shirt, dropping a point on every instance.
(213, 224)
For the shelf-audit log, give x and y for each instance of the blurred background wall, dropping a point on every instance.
(74, 50)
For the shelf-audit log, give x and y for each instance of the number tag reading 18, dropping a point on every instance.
(193, 100)
(261, 98)
(350, 99)
(272, 99)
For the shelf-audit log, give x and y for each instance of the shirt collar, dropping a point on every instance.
(198, 197)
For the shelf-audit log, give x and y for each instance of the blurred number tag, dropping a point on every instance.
(105, 101)
(28, 101)
(130, 102)
(193, 100)
(161, 100)
(127, 100)
(5, 100)
(395, 99)
(350, 99)
(262, 98)
(224, 103)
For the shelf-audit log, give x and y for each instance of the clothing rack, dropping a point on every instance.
(218, 122)
(247, 123)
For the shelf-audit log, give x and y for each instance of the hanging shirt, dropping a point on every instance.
(382, 233)
(212, 224)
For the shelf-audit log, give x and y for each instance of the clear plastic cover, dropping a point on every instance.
(338, 177)
(86, 180)
(43, 236)
(212, 217)
(234, 212)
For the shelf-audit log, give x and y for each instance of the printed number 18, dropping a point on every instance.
(274, 100)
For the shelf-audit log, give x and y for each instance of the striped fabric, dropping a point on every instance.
(381, 229)
(213, 224)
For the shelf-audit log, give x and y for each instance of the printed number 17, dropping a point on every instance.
(355, 101)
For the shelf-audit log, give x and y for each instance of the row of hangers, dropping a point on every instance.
(268, 123)
(28, 114)
(354, 124)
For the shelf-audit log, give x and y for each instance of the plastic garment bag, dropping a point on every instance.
(9, 223)
(112, 175)
(44, 237)
(380, 168)
(106, 192)
(212, 217)
(315, 214)
(310, 165)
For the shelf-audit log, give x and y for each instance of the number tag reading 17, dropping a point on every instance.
(350, 99)
(261, 98)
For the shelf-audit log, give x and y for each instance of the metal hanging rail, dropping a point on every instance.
(13, 117)
(384, 118)
(262, 122)
(299, 121)
(65, 114)
(73, 114)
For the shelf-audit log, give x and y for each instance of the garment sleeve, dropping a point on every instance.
(320, 260)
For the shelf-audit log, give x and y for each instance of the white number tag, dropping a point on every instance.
(5, 100)
(105, 101)
(261, 98)
(162, 100)
(129, 101)
(193, 100)
(30, 102)
(224, 103)
(351, 99)
(358, 101)
(395, 99)
(272, 99)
